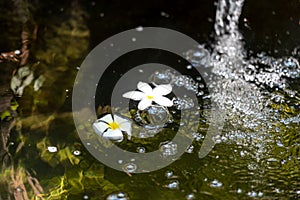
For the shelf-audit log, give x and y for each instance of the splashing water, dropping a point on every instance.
(254, 96)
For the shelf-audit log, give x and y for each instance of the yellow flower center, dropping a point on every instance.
(114, 125)
(150, 97)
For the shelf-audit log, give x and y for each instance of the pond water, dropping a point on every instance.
(247, 137)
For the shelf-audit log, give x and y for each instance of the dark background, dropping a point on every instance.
(268, 25)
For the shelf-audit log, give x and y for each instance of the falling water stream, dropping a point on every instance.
(259, 109)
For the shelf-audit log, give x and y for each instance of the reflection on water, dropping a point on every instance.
(256, 154)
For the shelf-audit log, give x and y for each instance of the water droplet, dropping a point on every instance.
(169, 174)
(190, 149)
(164, 14)
(139, 28)
(140, 149)
(52, 149)
(190, 196)
(85, 197)
(198, 57)
(117, 196)
(183, 103)
(155, 117)
(130, 167)
(189, 67)
(133, 39)
(174, 184)
(216, 183)
(252, 194)
(76, 152)
(168, 149)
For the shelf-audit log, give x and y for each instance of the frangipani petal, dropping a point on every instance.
(163, 101)
(106, 118)
(144, 103)
(162, 89)
(135, 95)
(144, 87)
(100, 127)
(125, 124)
(113, 135)
(120, 120)
(126, 127)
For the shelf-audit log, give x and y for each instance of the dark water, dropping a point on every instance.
(67, 32)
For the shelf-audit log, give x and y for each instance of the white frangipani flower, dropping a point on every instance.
(111, 127)
(147, 95)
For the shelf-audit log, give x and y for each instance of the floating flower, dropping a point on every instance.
(147, 95)
(111, 127)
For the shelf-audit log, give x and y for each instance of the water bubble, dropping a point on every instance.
(129, 167)
(239, 191)
(169, 174)
(154, 117)
(174, 184)
(180, 81)
(290, 67)
(197, 136)
(117, 196)
(139, 28)
(216, 183)
(85, 197)
(190, 196)
(183, 103)
(198, 57)
(140, 149)
(76, 152)
(120, 161)
(260, 194)
(52, 149)
(190, 149)
(164, 14)
(133, 39)
(242, 153)
(168, 149)
(252, 194)
(200, 93)
(162, 77)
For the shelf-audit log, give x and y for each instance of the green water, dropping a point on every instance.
(66, 33)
